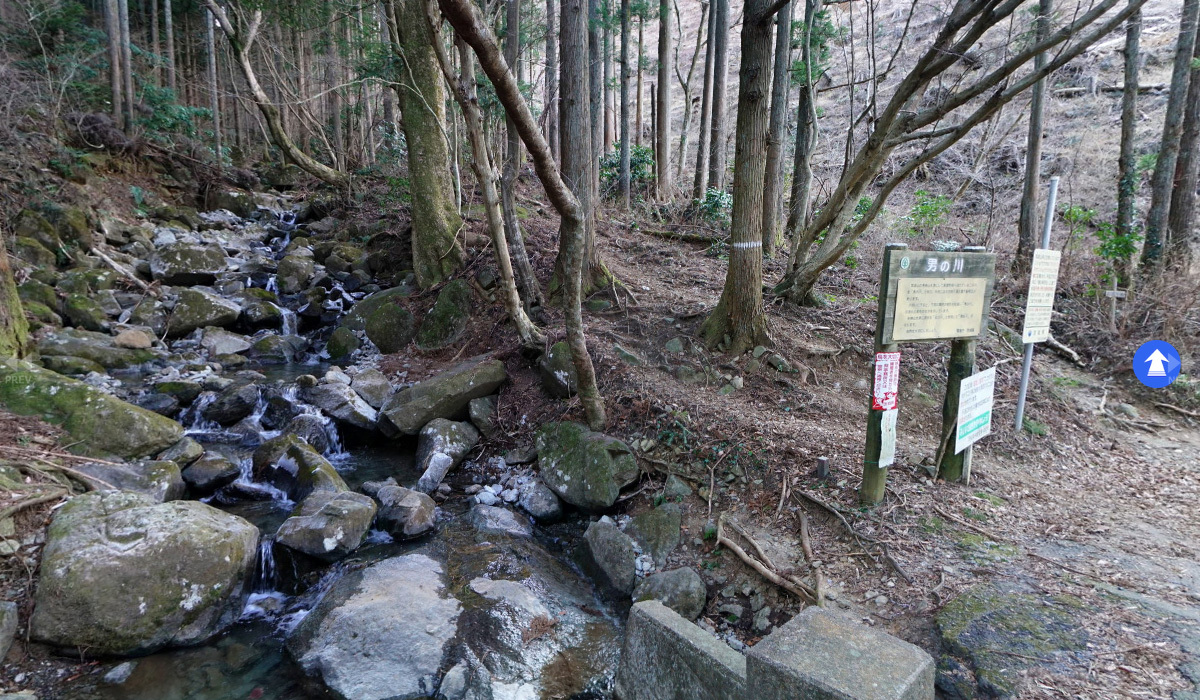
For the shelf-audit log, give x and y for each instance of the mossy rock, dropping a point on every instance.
(31, 224)
(32, 252)
(187, 216)
(197, 309)
(34, 291)
(342, 344)
(84, 312)
(293, 273)
(187, 263)
(447, 320)
(583, 468)
(240, 203)
(72, 226)
(71, 366)
(390, 328)
(291, 464)
(123, 575)
(184, 391)
(999, 631)
(97, 347)
(86, 281)
(657, 531)
(356, 318)
(40, 316)
(558, 371)
(99, 425)
(276, 348)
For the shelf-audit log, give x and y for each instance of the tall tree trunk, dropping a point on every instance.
(155, 51)
(531, 290)
(169, 31)
(435, 220)
(806, 144)
(474, 30)
(333, 76)
(623, 175)
(609, 116)
(552, 106)
(14, 328)
(214, 94)
(463, 89)
(1168, 153)
(112, 21)
(720, 41)
(1129, 179)
(738, 323)
(241, 38)
(777, 132)
(700, 186)
(596, 98)
(686, 83)
(127, 65)
(1182, 213)
(1027, 223)
(641, 84)
(662, 124)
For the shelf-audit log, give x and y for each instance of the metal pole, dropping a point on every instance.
(1027, 363)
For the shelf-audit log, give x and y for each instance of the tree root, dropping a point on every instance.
(863, 541)
(766, 570)
(31, 502)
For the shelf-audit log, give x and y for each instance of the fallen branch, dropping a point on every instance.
(969, 526)
(120, 269)
(1177, 409)
(805, 541)
(1064, 351)
(31, 502)
(790, 585)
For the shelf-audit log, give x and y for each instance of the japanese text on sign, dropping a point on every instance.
(939, 308)
(884, 397)
(887, 435)
(1039, 304)
(975, 396)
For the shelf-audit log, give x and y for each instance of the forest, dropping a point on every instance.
(599, 349)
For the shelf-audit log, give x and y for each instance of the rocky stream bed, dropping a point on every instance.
(274, 517)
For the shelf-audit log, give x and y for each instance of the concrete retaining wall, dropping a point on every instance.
(817, 655)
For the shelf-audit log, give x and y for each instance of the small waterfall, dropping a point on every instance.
(289, 326)
(193, 419)
(264, 575)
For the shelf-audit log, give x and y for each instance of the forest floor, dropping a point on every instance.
(1098, 506)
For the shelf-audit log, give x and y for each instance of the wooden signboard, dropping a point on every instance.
(937, 296)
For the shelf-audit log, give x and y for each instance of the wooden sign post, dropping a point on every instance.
(925, 296)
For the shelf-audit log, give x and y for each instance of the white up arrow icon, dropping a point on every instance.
(1156, 361)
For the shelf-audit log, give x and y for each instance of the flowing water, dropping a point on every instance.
(249, 661)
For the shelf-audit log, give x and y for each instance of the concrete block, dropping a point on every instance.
(668, 658)
(819, 655)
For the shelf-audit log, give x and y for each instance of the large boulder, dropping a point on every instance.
(34, 253)
(442, 445)
(123, 575)
(186, 264)
(390, 328)
(84, 312)
(342, 344)
(492, 520)
(218, 341)
(197, 308)
(158, 479)
(657, 531)
(293, 273)
(443, 396)
(681, 590)
(356, 318)
(209, 473)
(585, 469)
(609, 556)
(343, 404)
(373, 386)
(380, 632)
(539, 501)
(292, 465)
(328, 525)
(402, 512)
(447, 319)
(99, 425)
(232, 404)
(100, 348)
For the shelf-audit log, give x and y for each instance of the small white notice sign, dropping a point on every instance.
(975, 398)
(1039, 304)
(887, 437)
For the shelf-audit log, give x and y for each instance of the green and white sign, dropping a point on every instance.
(975, 400)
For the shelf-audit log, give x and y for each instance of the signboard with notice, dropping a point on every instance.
(1039, 304)
(933, 295)
(975, 399)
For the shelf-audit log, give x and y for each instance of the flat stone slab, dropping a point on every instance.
(666, 657)
(819, 655)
